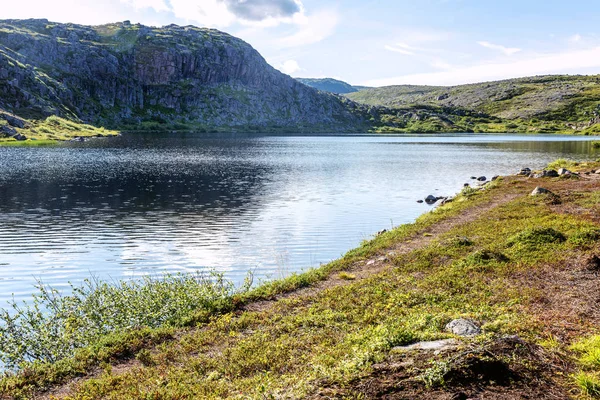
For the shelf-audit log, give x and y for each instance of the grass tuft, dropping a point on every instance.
(531, 238)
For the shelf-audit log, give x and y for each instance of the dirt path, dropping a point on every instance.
(379, 262)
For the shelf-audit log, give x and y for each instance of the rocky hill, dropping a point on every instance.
(331, 85)
(569, 100)
(127, 76)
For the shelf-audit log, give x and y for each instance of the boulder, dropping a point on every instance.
(495, 177)
(14, 121)
(550, 173)
(420, 201)
(540, 190)
(20, 137)
(482, 179)
(6, 130)
(463, 327)
(466, 185)
(431, 199)
(525, 171)
(564, 171)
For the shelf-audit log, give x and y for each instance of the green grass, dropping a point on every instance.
(588, 357)
(53, 130)
(563, 163)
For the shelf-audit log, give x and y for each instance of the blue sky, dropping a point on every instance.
(375, 43)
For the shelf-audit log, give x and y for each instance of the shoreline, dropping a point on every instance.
(448, 246)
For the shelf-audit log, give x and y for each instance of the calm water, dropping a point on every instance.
(121, 208)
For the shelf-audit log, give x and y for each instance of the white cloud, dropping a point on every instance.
(80, 12)
(289, 67)
(509, 51)
(222, 13)
(311, 29)
(575, 38)
(399, 50)
(211, 13)
(555, 63)
(440, 64)
(156, 5)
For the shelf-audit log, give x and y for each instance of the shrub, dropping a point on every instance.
(52, 326)
(536, 237)
(486, 256)
(562, 163)
(585, 237)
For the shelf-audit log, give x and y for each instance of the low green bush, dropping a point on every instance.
(536, 237)
(52, 326)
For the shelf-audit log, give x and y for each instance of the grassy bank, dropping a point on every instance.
(53, 130)
(525, 268)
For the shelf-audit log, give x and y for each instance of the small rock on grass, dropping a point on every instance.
(463, 327)
(435, 345)
(540, 190)
(564, 171)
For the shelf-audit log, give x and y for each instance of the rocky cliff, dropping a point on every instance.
(134, 77)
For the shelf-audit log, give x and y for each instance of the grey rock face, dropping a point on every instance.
(540, 190)
(6, 130)
(121, 74)
(463, 327)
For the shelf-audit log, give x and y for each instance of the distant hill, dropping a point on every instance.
(551, 98)
(331, 85)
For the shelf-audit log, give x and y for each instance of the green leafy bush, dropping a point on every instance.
(52, 326)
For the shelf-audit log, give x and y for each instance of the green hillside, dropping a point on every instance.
(543, 103)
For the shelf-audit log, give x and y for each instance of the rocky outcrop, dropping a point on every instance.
(121, 75)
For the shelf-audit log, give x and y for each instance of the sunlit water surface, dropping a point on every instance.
(149, 204)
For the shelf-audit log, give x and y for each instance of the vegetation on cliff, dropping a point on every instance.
(523, 267)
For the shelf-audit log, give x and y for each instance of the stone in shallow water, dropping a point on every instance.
(463, 327)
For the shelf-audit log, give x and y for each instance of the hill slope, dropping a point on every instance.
(330, 85)
(573, 100)
(133, 76)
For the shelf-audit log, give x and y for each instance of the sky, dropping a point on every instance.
(374, 43)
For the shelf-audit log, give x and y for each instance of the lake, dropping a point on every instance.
(119, 208)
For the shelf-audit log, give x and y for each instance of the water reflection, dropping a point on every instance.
(145, 204)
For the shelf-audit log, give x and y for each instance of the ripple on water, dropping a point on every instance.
(133, 206)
